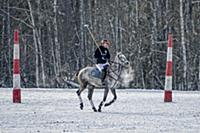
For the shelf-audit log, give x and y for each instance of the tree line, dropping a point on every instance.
(54, 44)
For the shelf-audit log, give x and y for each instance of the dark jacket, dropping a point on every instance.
(101, 59)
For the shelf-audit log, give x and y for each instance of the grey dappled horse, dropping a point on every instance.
(87, 79)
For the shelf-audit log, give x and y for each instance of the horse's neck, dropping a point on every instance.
(116, 64)
(115, 73)
(115, 69)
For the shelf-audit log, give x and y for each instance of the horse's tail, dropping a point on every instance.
(75, 75)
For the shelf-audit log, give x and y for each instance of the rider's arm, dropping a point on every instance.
(97, 53)
(108, 55)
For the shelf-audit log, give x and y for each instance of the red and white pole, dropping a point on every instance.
(168, 78)
(16, 69)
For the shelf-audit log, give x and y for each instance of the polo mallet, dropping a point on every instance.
(87, 26)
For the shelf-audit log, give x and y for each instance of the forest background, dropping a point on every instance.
(54, 44)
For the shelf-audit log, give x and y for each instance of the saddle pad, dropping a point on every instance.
(96, 73)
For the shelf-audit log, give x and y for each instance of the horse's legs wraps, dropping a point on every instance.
(79, 95)
(114, 99)
(104, 98)
(80, 99)
(90, 93)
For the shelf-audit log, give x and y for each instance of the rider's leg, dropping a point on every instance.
(104, 73)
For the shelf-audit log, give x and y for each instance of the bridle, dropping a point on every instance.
(117, 72)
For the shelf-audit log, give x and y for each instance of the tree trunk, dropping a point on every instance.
(199, 74)
(41, 51)
(36, 46)
(5, 44)
(120, 36)
(183, 46)
(82, 33)
(154, 7)
(2, 51)
(117, 27)
(167, 27)
(136, 13)
(9, 42)
(141, 67)
(95, 19)
(57, 45)
(38, 49)
(189, 18)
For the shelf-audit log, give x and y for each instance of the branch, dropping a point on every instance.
(18, 19)
(195, 2)
(22, 9)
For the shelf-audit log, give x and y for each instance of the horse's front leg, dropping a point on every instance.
(104, 98)
(114, 98)
(90, 93)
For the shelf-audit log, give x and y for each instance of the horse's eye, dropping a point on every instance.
(121, 58)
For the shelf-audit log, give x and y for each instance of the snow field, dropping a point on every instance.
(57, 110)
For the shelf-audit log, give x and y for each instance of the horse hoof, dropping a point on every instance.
(95, 110)
(81, 106)
(99, 110)
(107, 104)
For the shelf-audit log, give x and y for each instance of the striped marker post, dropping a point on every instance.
(168, 78)
(16, 69)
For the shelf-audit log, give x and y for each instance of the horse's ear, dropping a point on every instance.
(119, 52)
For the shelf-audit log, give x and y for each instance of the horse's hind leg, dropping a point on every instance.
(78, 92)
(90, 93)
(104, 98)
(114, 99)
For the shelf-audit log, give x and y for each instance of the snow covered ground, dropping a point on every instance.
(57, 111)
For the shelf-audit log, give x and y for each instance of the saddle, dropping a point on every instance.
(97, 73)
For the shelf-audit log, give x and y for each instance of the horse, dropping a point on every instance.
(87, 79)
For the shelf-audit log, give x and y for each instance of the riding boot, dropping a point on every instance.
(103, 77)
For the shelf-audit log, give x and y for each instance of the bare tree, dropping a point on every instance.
(56, 42)
(38, 49)
(57, 45)
(183, 45)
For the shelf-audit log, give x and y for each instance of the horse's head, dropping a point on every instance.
(122, 60)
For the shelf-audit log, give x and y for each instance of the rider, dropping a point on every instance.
(102, 55)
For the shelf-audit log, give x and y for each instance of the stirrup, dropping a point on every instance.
(103, 83)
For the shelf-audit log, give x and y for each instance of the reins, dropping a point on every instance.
(119, 69)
